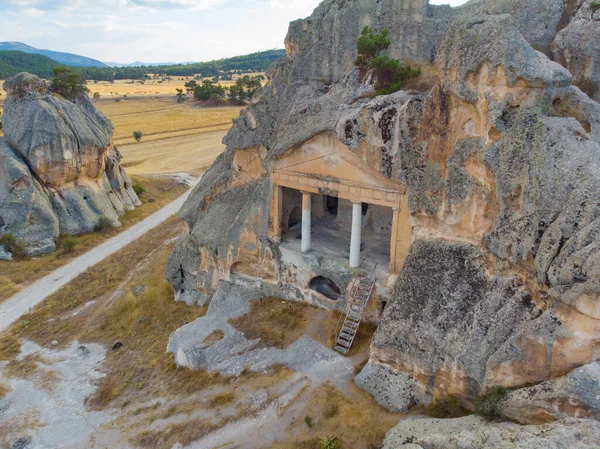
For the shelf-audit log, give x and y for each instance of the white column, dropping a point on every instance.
(356, 235)
(306, 215)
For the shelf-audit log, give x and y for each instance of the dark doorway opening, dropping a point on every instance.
(365, 209)
(295, 217)
(326, 287)
(332, 205)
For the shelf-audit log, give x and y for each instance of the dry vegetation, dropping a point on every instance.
(276, 322)
(354, 418)
(149, 88)
(177, 137)
(4, 390)
(108, 311)
(18, 274)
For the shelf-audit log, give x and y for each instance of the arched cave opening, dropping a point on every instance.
(326, 287)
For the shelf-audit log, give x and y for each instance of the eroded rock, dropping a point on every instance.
(59, 169)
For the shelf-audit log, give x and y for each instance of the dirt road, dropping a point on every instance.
(12, 309)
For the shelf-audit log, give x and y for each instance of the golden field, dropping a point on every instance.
(177, 137)
(153, 87)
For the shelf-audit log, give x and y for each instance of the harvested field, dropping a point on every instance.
(150, 88)
(177, 137)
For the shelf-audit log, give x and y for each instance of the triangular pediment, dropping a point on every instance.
(324, 156)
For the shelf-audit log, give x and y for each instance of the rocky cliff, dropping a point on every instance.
(59, 169)
(501, 161)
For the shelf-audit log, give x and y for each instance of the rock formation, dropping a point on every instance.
(494, 179)
(59, 169)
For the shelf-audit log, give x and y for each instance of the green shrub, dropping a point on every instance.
(370, 45)
(308, 422)
(68, 83)
(103, 225)
(488, 404)
(391, 74)
(138, 188)
(329, 443)
(68, 244)
(447, 407)
(595, 5)
(137, 135)
(15, 246)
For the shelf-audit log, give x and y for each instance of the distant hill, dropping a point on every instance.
(258, 62)
(13, 62)
(63, 58)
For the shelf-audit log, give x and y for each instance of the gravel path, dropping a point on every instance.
(12, 309)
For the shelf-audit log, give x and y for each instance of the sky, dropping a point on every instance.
(125, 31)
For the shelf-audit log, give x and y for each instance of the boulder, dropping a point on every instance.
(59, 171)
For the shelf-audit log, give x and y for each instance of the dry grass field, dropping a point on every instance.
(177, 137)
(152, 87)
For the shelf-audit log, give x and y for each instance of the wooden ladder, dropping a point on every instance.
(353, 312)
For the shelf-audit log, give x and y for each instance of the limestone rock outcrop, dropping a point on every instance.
(473, 432)
(576, 45)
(500, 160)
(59, 169)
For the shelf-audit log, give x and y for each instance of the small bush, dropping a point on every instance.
(68, 244)
(15, 246)
(68, 83)
(447, 407)
(96, 95)
(138, 188)
(137, 135)
(308, 422)
(595, 5)
(391, 74)
(103, 225)
(329, 443)
(488, 404)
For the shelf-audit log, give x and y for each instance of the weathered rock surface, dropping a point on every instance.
(472, 432)
(234, 352)
(59, 170)
(501, 160)
(576, 45)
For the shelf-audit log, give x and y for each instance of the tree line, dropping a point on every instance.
(39, 65)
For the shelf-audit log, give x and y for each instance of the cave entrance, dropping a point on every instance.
(326, 287)
(332, 204)
(295, 217)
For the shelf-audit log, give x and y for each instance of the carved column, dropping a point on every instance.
(306, 222)
(355, 240)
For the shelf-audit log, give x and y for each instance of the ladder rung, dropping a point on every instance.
(341, 349)
(343, 343)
